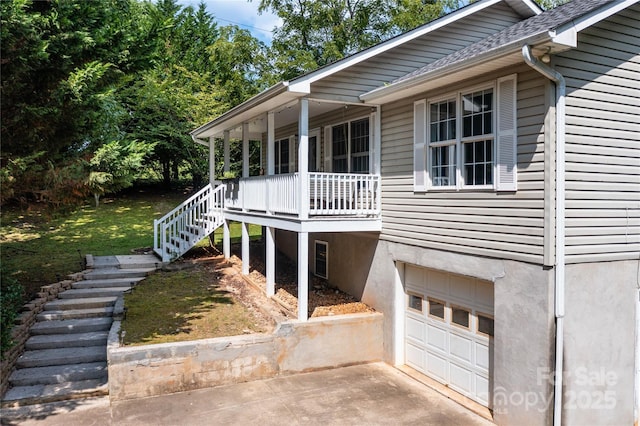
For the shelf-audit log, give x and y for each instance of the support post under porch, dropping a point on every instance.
(245, 248)
(226, 240)
(303, 275)
(270, 256)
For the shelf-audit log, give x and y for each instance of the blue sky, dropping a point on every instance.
(242, 13)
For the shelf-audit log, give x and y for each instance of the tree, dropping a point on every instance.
(316, 33)
(114, 167)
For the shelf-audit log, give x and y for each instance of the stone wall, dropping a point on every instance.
(325, 342)
(24, 321)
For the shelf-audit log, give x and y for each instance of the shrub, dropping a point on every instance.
(11, 295)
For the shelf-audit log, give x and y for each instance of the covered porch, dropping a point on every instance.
(320, 172)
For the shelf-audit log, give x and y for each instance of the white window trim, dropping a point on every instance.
(422, 137)
(292, 156)
(329, 143)
(315, 258)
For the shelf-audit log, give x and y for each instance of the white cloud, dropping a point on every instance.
(242, 13)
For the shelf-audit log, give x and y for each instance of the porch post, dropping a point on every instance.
(226, 151)
(271, 260)
(271, 142)
(226, 240)
(212, 160)
(303, 275)
(377, 141)
(303, 158)
(245, 248)
(245, 150)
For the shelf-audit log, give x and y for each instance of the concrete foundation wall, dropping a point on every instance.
(599, 343)
(326, 342)
(524, 319)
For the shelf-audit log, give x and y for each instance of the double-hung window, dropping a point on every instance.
(349, 147)
(283, 155)
(467, 140)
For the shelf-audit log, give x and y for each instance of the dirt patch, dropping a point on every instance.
(324, 300)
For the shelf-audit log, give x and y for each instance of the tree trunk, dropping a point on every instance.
(96, 197)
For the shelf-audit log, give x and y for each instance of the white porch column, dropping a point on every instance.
(271, 142)
(377, 141)
(212, 160)
(245, 248)
(226, 240)
(226, 151)
(245, 150)
(303, 275)
(271, 260)
(303, 158)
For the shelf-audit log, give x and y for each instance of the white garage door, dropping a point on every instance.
(449, 330)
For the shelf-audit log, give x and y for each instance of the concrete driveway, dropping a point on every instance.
(372, 394)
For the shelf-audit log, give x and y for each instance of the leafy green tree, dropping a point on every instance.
(114, 167)
(316, 33)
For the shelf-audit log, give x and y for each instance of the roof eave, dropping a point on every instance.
(392, 91)
(258, 99)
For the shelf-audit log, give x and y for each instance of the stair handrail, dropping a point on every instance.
(215, 198)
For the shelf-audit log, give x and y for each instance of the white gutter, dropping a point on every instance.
(558, 79)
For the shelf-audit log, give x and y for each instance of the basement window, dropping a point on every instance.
(321, 259)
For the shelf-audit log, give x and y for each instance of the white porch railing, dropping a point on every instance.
(330, 194)
(197, 217)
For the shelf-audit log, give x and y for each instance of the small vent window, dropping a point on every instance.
(322, 259)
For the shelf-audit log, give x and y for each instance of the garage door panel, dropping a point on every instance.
(437, 282)
(462, 288)
(437, 366)
(415, 356)
(436, 338)
(415, 329)
(461, 347)
(482, 356)
(461, 378)
(482, 389)
(449, 348)
(484, 295)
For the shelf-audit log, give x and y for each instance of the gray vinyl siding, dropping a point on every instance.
(348, 84)
(603, 141)
(485, 223)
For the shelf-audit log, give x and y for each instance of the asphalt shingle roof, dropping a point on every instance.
(543, 22)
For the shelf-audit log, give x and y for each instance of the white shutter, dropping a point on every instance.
(420, 145)
(506, 135)
(327, 150)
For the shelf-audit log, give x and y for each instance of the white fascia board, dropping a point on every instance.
(592, 18)
(393, 42)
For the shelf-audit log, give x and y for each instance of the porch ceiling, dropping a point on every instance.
(286, 111)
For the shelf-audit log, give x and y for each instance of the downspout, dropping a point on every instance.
(558, 79)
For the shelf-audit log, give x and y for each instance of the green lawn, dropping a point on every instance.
(36, 249)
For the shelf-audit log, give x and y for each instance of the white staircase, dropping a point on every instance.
(180, 229)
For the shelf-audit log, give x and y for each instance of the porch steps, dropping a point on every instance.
(66, 355)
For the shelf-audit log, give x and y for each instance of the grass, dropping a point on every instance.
(37, 248)
(180, 306)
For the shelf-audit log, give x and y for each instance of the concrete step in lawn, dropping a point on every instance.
(110, 273)
(40, 394)
(75, 314)
(80, 293)
(58, 374)
(72, 326)
(54, 341)
(107, 283)
(81, 303)
(48, 357)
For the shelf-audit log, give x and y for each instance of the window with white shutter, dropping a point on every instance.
(467, 140)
